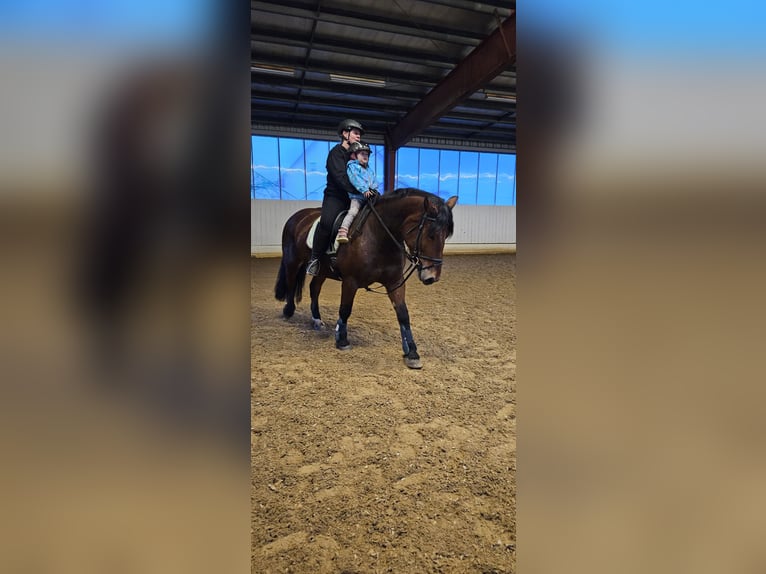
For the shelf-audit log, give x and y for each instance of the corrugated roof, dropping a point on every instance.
(408, 47)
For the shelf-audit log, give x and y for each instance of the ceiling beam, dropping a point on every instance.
(348, 47)
(506, 139)
(486, 6)
(330, 67)
(366, 19)
(258, 80)
(279, 86)
(270, 97)
(484, 62)
(316, 118)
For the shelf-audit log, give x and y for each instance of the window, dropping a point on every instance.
(487, 181)
(316, 172)
(506, 180)
(265, 165)
(449, 173)
(469, 168)
(478, 178)
(406, 167)
(290, 168)
(429, 170)
(377, 163)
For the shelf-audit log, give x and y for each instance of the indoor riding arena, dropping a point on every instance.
(361, 465)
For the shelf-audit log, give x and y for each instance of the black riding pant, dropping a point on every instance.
(331, 207)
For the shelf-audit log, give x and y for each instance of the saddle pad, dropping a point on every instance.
(332, 249)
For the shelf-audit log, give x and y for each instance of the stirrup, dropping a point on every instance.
(313, 267)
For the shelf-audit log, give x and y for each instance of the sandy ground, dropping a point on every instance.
(361, 465)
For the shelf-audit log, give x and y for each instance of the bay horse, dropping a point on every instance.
(406, 224)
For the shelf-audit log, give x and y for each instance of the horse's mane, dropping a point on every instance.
(444, 213)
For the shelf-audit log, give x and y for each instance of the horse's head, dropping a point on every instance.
(434, 228)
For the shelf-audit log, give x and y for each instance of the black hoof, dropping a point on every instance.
(288, 311)
(342, 345)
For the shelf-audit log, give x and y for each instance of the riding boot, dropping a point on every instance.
(313, 266)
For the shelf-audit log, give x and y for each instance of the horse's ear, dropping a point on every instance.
(431, 206)
(452, 201)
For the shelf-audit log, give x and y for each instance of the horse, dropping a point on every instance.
(407, 224)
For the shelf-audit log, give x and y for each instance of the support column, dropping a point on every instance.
(389, 159)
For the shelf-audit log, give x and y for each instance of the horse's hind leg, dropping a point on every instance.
(411, 357)
(315, 287)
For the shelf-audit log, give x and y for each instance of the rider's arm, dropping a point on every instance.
(356, 177)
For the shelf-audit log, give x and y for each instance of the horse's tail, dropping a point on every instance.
(283, 290)
(299, 283)
(280, 289)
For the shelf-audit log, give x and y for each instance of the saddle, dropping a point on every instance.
(332, 249)
(355, 230)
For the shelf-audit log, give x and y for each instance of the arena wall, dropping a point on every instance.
(478, 228)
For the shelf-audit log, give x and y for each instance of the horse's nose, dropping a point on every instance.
(429, 275)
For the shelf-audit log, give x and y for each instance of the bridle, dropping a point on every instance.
(415, 258)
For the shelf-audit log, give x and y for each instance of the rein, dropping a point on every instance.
(415, 258)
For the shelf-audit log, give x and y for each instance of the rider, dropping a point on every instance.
(337, 191)
(362, 177)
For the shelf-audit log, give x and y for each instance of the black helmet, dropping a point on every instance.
(346, 125)
(356, 147)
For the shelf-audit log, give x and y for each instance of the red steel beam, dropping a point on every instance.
(389, 160)
(484, 62)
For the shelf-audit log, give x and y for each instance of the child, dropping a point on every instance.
(362, 177)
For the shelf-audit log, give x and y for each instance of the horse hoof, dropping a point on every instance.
(413, 363)
(317, 324)
(345, 346)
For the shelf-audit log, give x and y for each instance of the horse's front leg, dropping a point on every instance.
(348, 292)
(411, 357)
(315, 287)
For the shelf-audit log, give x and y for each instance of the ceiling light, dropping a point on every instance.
(500, 97)
(357, 80)
(268, 69)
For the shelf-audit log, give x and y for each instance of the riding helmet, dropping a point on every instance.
(356, 147)
(346, 125)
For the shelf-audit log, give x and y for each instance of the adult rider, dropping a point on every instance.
(337, 191)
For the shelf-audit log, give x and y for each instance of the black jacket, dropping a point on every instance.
(338, 184)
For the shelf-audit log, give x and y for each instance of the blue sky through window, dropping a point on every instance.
(290, 168)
